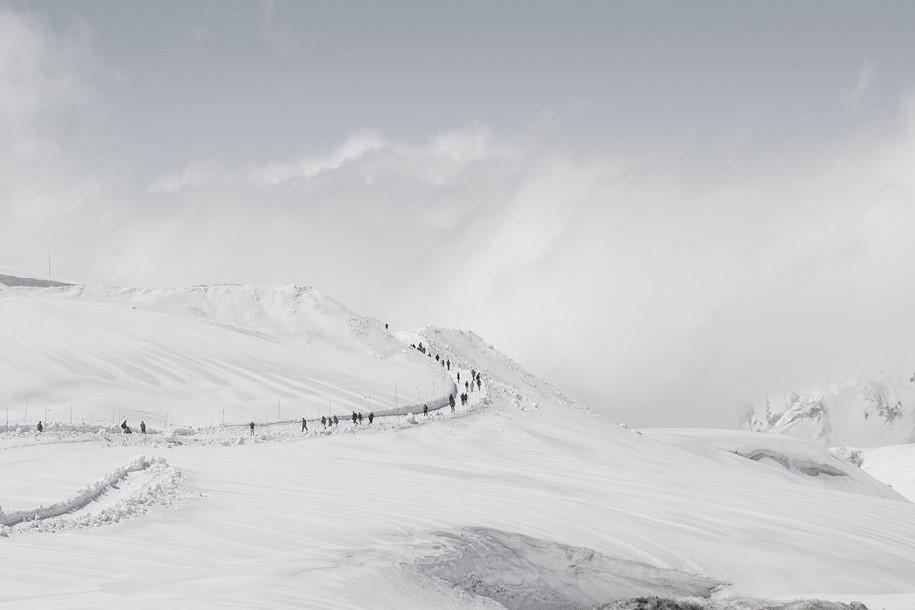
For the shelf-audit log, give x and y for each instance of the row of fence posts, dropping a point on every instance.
(117, 416)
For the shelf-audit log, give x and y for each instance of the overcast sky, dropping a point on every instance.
(668, 209)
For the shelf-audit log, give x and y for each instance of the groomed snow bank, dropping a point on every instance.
(90, 493)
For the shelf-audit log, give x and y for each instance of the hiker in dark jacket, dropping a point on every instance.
(126, 428)
(479, 382)
(426, 410)
(336, 421)
(324, 422)
(354, 417)
(251, 425)
(304, 425)
(360, 417)
(371, 416)
(143, 427)
(40, 427)
(451, 401)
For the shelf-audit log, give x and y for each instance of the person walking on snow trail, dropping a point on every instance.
(126, 428)
(354, 418)
(451, 401)
(479, 383)
(371, 416)
(324, 422)
(40, 427)
(360, 417)
(336, 421)
(251, 425)
(143, 426)
(304, 425)
(426, 410)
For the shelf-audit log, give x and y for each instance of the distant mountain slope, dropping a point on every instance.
(863, 413)
(191, 354)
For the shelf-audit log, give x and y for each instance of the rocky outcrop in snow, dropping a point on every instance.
(874, 412)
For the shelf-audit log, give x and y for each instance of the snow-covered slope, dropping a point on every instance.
(892, 464)
(874, 412)
(196, 356)
(520, 499)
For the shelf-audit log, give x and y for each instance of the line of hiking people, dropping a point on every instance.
(475, 378)
(124, 427)
(446, 364)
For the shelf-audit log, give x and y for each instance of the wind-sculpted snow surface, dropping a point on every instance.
(341, 518)
(519, 571)
(197, 356)
(797, 460)
(657, 603)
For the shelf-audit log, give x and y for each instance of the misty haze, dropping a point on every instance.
(430, 305)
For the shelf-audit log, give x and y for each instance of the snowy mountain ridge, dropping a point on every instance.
(875, 411)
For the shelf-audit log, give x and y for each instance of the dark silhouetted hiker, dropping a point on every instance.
(436, 357)
(385, 325)
(451, 401)
(360, 417)
(371, 416)
(40, 427)
(251, 425)
(354, 417)
(426, 410)
(466, 385)
(126, 428)
(304, 425)
(459, 377)
(324, 422)
(143, 427)
(479, 382)
(448, 362)
(336, 421)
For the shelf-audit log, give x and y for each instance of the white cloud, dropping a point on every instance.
(862, 85)
(195, 174)
(353, 148)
